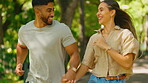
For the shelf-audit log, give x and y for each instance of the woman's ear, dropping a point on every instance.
(113, 13)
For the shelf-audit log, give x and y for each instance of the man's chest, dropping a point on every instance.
(42, 40)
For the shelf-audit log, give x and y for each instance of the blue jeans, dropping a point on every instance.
(94, 79)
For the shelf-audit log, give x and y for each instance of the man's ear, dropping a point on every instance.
(113, 12)
(37, 11)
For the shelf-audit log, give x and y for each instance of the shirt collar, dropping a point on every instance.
(116, 28)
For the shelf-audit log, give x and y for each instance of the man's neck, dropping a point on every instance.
(39, 24)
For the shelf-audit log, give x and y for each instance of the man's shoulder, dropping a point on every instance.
(26, 26)
(63, 25)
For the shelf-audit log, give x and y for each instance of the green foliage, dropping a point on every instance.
(137, 9)
(10, 78)
(57, 12)
(91, 19)
(15, 15)
(75, 25)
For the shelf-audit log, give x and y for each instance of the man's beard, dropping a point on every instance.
(45, 20)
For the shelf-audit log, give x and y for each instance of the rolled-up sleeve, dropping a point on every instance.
(129, 44)
(88, 59)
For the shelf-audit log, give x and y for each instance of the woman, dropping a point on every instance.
(112, 50)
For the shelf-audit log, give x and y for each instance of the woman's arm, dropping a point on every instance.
(81, 71)
(125, 61)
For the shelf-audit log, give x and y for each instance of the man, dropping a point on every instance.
(47, 41)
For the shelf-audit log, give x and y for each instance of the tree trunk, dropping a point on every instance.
(82, 30)
(68, 10)
(146, 33)
(1, 29)
(1, 40)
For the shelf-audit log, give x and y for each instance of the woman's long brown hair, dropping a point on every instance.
(122, 19)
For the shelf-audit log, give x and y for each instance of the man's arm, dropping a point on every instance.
(72, 50)
(22, 52)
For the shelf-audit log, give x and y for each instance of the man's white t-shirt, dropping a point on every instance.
(46, 50)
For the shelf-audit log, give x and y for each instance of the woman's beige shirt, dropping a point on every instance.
(102, 64)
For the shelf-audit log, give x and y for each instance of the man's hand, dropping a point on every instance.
(19, 70)
(69, 77)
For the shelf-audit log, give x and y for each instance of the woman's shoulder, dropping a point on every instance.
(122, 30)
(126, 32)
(94, 35)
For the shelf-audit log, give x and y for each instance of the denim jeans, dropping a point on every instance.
(94, 79)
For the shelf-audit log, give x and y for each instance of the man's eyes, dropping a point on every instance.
(50, 10)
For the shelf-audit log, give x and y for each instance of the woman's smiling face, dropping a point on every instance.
(103, 14)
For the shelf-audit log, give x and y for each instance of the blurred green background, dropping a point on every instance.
(79, 15)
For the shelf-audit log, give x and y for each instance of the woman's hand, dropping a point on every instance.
(101, 43)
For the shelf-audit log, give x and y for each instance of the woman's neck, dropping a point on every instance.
(109, 27)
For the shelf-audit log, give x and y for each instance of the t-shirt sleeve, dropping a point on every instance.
(67, 38)
(129, 44)
(88, 59)
(20, 38)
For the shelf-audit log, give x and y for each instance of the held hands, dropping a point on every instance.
(69, 77)
(19, 70)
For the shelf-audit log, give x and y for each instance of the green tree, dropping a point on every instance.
(138, 10)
